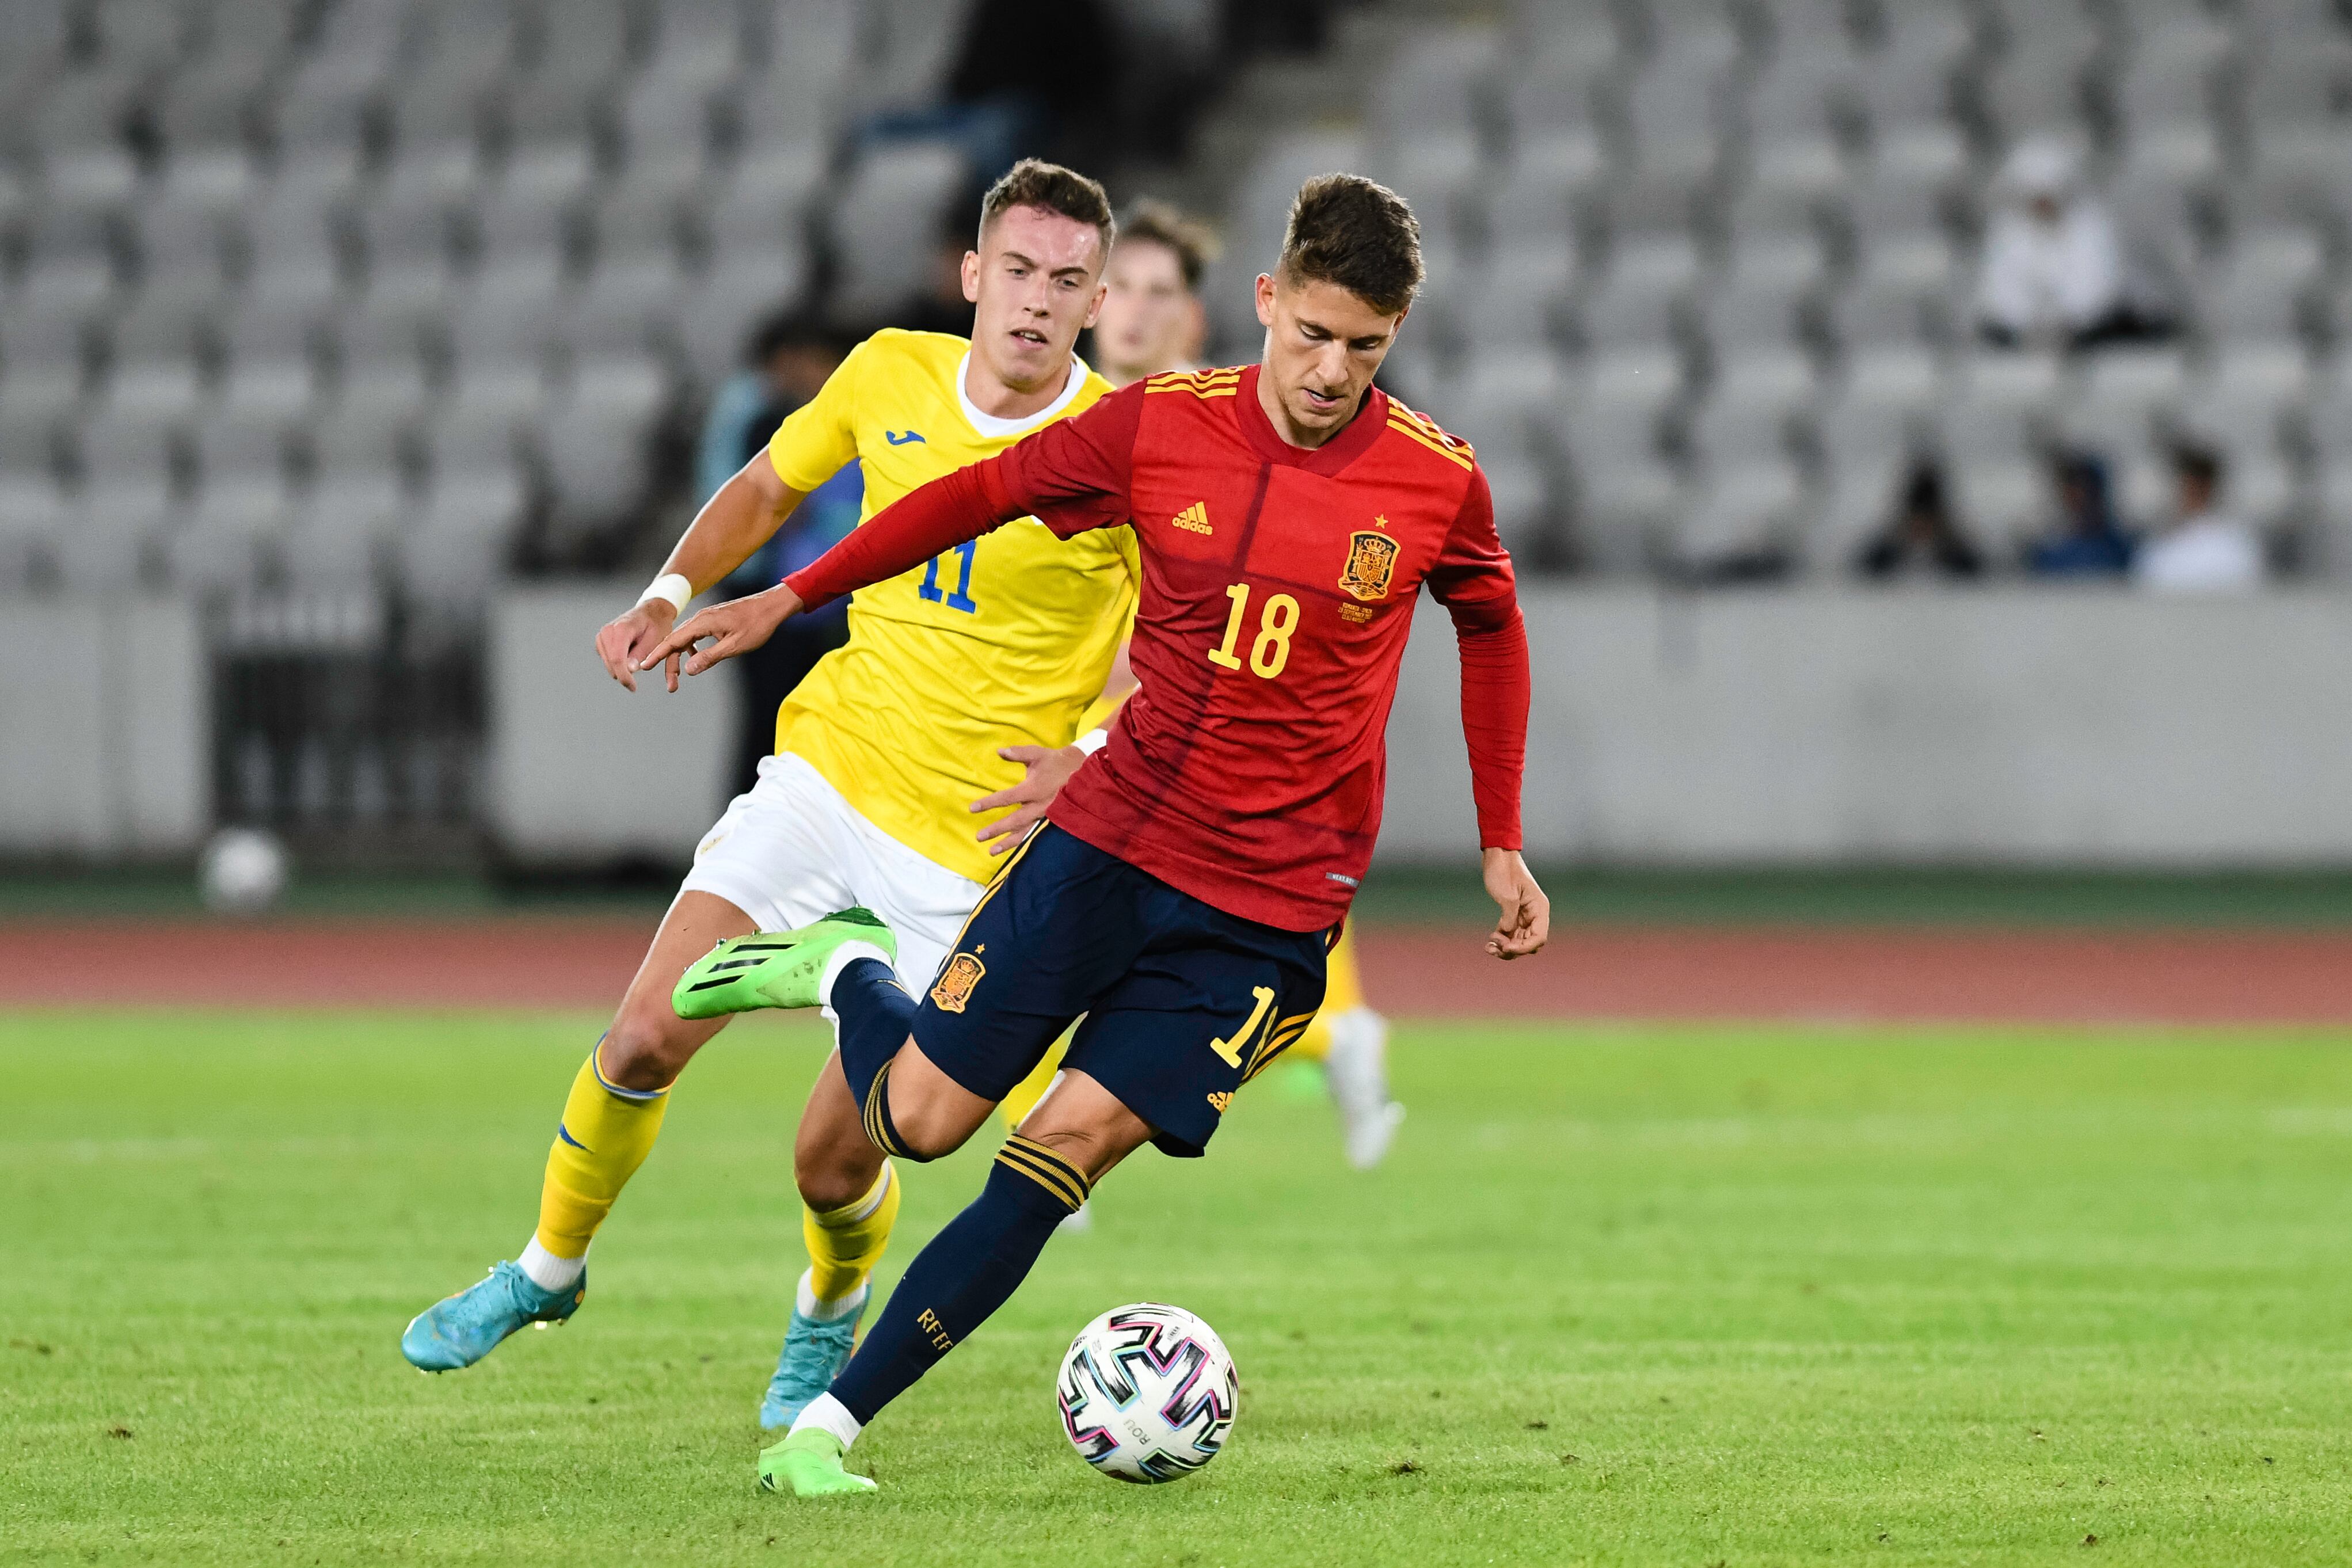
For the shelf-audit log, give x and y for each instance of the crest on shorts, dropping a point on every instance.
(956, 981)
(1371, 561)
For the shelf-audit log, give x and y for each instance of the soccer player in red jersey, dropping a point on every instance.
(1189, 877)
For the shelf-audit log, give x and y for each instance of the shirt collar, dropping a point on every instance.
(1329, 458)
(996, 429)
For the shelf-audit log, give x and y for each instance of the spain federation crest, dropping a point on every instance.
(956, 981)
(1371, 561)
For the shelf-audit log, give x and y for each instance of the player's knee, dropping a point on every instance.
(643, 1051)
(916, 1126)
(830, 1179)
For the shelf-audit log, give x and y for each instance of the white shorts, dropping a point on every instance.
(791, 850)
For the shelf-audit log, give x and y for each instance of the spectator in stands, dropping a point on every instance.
(1008, 96)
(2087, 541)
(2053, 272)
(1920, 540)
(939, 306)
(787, 360)
(2204, 550)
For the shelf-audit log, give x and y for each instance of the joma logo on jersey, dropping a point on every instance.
(1371, 561)
(956, 981)
(1193, 519)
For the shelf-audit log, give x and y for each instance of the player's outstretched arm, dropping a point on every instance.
(926, 522)
(743, 515)
(1525, 924)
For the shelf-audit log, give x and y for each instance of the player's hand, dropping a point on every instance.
(739, 626)
(1049, 768)
(1525, 922)
(624, 639)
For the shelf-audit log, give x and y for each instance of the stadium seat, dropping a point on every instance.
(119, 520)
(2268, 286)
(450, 556)
(597, 438)
(886, 217)
(1434, 84)
(1758, 301)
(228, 541)
(1647, 280)
(38, 403)
(718, 311)
(625, 307)
(335, 534)
(34, 517)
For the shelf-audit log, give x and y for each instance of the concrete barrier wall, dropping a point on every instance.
(2014, 725)
(2005, 726)
(105, 728)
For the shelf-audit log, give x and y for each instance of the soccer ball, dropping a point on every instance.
(1148, 1392)
(242, 872)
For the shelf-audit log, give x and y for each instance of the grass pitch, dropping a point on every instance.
(1676, 1295)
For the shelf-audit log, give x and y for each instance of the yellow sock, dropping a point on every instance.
(845, 1244)
(1025, 1094)
(606, 1134)
(1343, 991)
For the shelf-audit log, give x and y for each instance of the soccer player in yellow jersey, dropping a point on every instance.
(1152, 320)
(1002, 644)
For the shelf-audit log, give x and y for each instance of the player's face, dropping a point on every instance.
(1323, 345)
(1036, 283)
(1145, 324)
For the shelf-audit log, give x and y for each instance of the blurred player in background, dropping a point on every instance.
(1152, 320)
(788, 360)
(877, 753)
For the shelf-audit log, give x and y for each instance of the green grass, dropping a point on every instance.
(1670, 1296)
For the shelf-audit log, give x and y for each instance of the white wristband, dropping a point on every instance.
(671, 586)
(1093, 740)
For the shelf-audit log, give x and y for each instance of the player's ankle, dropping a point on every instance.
(548, 1271)
(821, 1309)
(829, 1417)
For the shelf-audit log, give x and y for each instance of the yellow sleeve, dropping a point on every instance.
(819, 439)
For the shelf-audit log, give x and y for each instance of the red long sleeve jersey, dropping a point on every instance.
(1277, 595)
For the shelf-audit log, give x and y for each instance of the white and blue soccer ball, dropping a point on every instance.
(1148, 1392)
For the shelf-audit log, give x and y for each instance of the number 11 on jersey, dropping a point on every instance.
(962, 598)
(1272, 649)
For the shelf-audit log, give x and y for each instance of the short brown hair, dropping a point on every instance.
(1157, 222)
(1035, 183)
(1348, 230)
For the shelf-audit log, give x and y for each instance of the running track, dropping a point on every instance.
(1804, 973)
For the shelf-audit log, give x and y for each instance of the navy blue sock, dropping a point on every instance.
(969, 1271)
(876, 1015)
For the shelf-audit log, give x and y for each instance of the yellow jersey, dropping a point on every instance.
(1001, 642)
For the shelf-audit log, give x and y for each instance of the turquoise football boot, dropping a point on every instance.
(814, 1354)
(461, 1329)
(774, 969)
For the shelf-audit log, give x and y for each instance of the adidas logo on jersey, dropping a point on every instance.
(1194, 519)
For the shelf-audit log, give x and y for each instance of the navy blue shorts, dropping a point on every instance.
(1183, 1003)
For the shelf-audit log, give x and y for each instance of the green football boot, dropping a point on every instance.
(461, 1329)
(808, 1464)
(774, 969)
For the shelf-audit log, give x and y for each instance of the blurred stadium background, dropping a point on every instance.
(1936, 1095)
(353, 355)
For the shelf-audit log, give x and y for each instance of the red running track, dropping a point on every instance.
(1804, 973)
